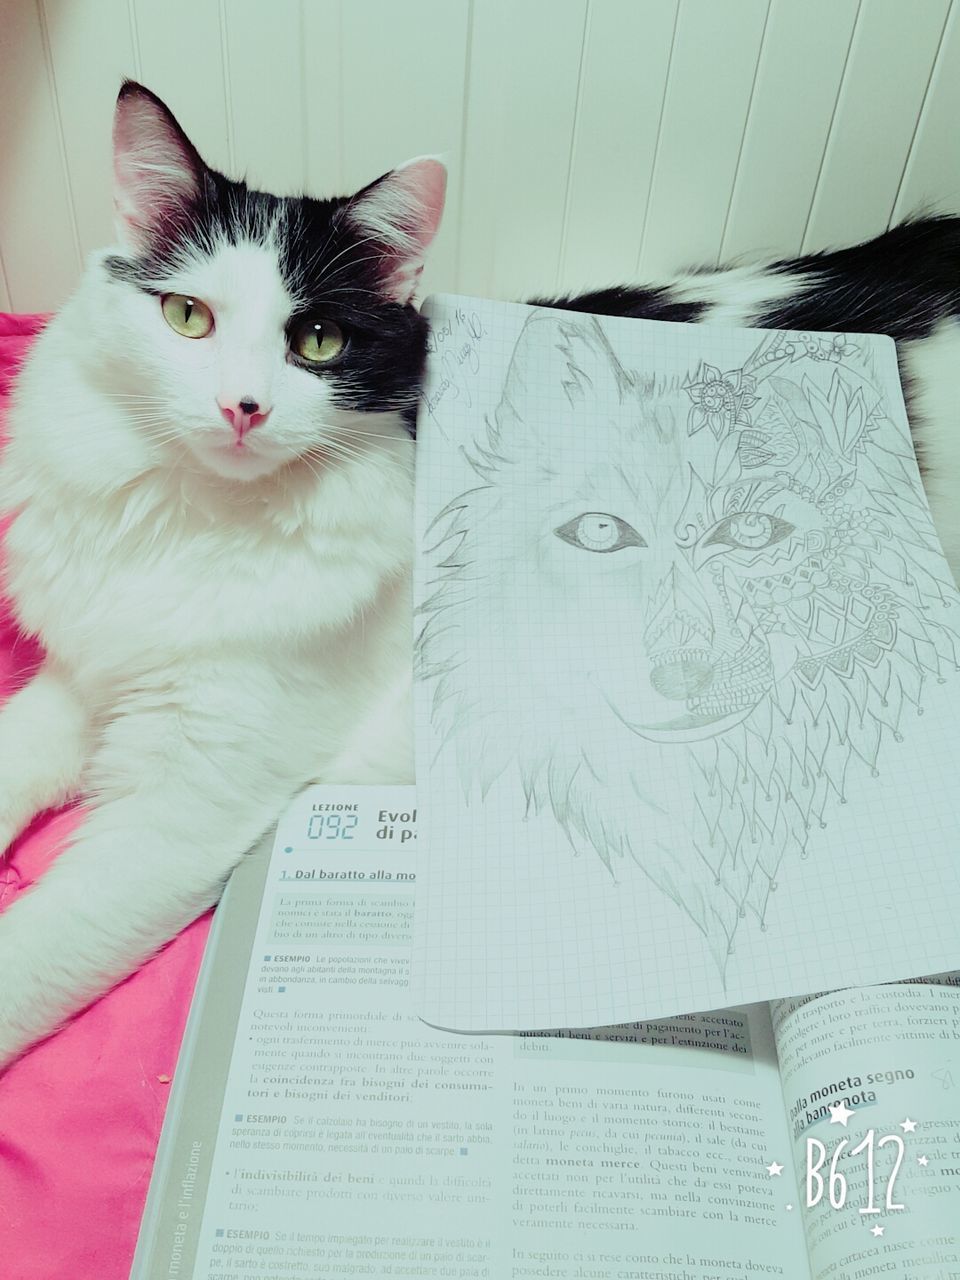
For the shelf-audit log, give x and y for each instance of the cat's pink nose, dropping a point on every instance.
(243, 415)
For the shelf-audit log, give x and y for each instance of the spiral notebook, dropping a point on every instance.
(687, 695)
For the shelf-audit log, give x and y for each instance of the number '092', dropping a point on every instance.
(331, 826)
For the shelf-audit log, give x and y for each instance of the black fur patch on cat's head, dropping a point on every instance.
(333, 264)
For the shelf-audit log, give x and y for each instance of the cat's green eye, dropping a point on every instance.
(187, 316)
(319, 341)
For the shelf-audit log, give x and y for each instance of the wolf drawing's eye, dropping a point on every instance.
(598, 531)
(749, 531)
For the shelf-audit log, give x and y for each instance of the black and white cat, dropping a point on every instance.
(210, 467)
(210, 470)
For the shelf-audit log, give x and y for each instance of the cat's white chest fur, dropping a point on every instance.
(112, 591)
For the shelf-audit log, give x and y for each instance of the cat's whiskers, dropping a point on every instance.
(373, 293)
(156, 420)
(153, 435)
(348, 266)
(342, 450)
(350, 248)
(333, 450)
(148, 414)
(321, 248)
(132, 402)
(354, 431)
(158, 430)
(161, 441)
(310, 467)
(350, 312)
(351, 262)
(134, 395)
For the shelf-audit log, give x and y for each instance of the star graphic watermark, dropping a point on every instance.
(877, 1230)
(908, 1125)
(774, 1170)
(923, 1160)
(840, 1114)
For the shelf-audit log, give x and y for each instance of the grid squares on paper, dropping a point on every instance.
(517, 928)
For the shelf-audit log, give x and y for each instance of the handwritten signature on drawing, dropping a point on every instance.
(456, 342)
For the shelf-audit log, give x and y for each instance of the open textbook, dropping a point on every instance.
(318, 1128)
(688, 705)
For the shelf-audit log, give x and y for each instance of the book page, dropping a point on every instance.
(881, 1061)
(353, 1140)
(688, 701)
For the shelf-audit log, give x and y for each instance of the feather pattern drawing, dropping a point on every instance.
(740, 605)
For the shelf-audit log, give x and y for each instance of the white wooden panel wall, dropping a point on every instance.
(589, 141)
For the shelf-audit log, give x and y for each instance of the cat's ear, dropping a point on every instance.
(157, 172)
(399, 215)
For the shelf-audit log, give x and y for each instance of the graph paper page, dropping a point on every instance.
(687, 680)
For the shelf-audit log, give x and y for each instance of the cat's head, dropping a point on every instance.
(248, 330)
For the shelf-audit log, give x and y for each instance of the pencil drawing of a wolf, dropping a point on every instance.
(709, 640)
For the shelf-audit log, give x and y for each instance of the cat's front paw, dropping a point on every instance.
(8, 833)
(14, 1037)
(27, 1011)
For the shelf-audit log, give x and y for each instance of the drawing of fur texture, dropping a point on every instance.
(709, 642)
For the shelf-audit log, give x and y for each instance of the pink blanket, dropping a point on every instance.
(80, 1114)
